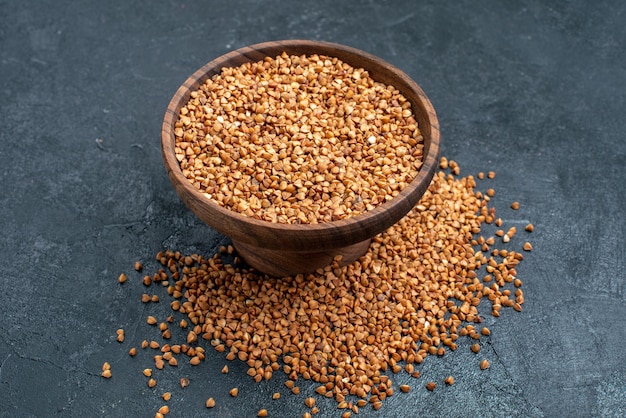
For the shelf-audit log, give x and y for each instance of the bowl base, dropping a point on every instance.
(282, 263)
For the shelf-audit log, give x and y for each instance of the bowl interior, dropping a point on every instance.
(305, 237)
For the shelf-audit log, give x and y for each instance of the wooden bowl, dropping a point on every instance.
(288, 249)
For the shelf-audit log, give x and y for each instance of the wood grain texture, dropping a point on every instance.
(281, 263)
(285, 241)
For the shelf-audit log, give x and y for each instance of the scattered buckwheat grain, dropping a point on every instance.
(415, 292)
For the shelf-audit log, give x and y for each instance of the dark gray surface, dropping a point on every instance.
(534, 91)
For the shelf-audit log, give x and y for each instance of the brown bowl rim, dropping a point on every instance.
(297, 236)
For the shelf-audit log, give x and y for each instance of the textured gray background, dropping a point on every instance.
(534, 91)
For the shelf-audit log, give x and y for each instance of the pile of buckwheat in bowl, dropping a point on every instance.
(309, 139)
(298, 139)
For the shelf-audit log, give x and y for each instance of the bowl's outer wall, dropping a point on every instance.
(305, 237)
